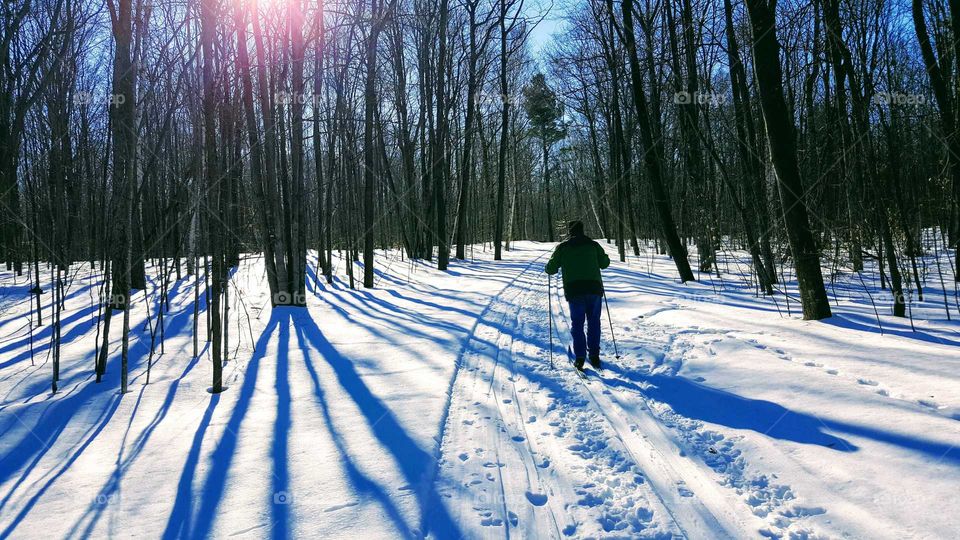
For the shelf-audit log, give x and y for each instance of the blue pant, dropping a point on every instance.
(586, 307)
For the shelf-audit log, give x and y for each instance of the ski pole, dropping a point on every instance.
(616, 350)
(550, 309)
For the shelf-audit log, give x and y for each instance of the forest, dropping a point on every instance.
(813, 134)
(335, 216)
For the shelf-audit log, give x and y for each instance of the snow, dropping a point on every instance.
(428, 407)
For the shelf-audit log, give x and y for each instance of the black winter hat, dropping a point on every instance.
(576, 228)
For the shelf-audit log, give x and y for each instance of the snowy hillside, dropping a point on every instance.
(428, 407)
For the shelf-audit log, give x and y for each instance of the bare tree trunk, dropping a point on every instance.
(208, 10)
(783, 153)
(322, 262)
(653, 151)
(752, 167)
(948, 113)
(265, 221)
(369, 187)
(297, 254)
(271, 202)
(504, 135)
(441, 159)
(546, 183)
(466, 166)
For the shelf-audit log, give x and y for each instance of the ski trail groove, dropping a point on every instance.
(562, 476)
(696, 504)
(484, 334)
(499, 379)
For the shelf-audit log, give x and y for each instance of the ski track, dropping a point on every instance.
(521, 437)
(698, 507)
(517, 441)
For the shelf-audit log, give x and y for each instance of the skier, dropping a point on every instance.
(581, 260)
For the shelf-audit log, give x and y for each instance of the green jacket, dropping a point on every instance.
(581, 260)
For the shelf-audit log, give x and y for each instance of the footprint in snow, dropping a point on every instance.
(867, 382)
(536, 499)
(832, 371)
(514, 520)
(491, 522)
(803, 511)
(464, 456)
(518, 438)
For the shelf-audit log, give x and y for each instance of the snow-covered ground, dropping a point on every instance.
(428, 407)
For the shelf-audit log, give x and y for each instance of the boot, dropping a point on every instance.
(578, 363)
(595, 362)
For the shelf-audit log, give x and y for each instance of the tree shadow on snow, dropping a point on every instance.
(109, 490)
(184, 521)
(80, 398)
(864, 323)
(416, 464)
(41, 337)
(699, 402)
(363, 484)
(103, 419)
(195, 511)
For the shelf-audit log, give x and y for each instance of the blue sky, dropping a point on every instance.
(540, 36)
